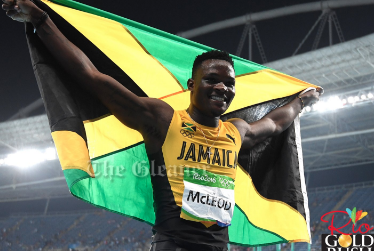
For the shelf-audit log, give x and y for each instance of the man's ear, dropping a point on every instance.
(190, 84)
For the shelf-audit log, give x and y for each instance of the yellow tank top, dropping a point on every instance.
(186, 146)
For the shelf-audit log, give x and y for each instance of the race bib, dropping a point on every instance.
(207, 197)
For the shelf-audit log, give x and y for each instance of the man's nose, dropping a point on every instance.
(221, 87)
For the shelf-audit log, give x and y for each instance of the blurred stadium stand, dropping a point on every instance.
(101, 230)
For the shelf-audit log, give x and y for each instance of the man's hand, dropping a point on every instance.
(276, 121)
(311, 97)
(21, 10)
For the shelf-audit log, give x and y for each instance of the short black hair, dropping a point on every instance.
(214, 54)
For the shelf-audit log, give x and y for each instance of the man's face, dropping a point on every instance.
(213, 87)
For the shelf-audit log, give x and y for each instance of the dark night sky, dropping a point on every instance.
(280, 36)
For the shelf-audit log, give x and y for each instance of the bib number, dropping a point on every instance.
(207, 197)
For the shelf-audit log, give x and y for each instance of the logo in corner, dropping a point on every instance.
(354, 237)
(188, 130)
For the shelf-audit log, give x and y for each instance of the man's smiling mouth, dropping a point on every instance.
(218, 98)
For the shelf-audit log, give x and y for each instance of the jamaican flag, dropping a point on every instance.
(105, 162)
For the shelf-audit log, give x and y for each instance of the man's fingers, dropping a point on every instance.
(7, 7)
(11, 13)
(10, 7)
(9, 2)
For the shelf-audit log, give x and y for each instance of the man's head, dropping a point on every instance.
(212, 84)
(214, 54)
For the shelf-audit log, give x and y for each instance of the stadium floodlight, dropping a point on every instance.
(319, 107)
(28, 157)
(334, 103)
(351, 100)
(50, 154)
(24, 158)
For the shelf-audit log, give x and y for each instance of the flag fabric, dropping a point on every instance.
(105, 162)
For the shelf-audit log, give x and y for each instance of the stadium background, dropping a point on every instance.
(38, 213)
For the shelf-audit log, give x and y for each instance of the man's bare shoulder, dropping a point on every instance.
(160, 109)
(241, 125)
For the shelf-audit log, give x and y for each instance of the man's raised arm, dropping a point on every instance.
(135, 112)
(275, 122)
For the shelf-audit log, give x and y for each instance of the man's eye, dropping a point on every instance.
(211, 80)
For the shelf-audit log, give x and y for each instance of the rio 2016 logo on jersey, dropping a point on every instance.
(356, 238)
(188, 130)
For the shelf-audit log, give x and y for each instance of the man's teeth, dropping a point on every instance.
(217, 98)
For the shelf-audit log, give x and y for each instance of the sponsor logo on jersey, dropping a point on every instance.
(230, 137)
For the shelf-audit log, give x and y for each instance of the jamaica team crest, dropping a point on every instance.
(188, 130)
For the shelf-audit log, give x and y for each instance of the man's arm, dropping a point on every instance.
(142, 114)
(275, 122)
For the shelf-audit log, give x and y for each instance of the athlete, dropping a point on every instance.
(192, 211)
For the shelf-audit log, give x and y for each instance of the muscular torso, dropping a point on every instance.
(185, 146)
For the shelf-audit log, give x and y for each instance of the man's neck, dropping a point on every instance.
(201, 118)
